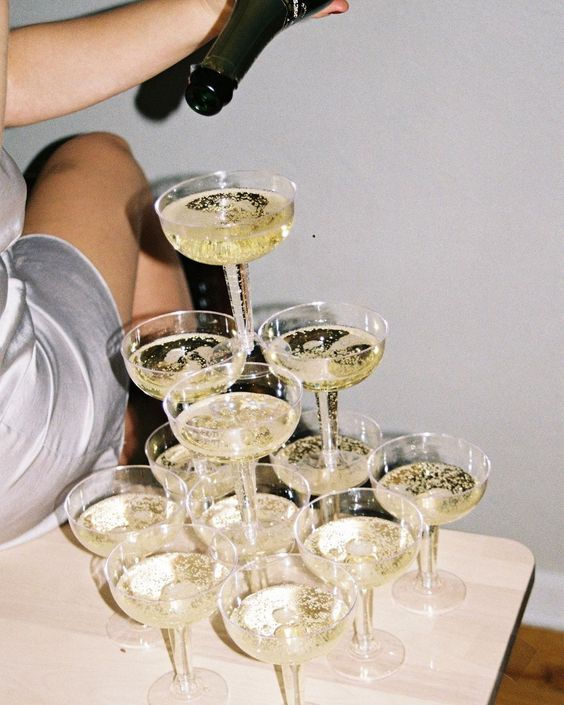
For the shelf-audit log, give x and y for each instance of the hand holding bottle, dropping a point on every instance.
(336, 7)
(249, 28)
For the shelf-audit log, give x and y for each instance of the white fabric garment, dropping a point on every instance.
(63, 388)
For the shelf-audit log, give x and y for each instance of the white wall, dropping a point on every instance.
(426, 140)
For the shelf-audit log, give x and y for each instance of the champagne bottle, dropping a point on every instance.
(251, 25)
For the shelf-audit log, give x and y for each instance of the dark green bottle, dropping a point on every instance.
(251, 25)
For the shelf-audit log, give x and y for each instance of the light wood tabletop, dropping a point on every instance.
(54, 649)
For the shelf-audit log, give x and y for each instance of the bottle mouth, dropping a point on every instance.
(208, 91)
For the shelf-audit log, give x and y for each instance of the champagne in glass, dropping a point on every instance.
(374, 543)
(160, 350)
(291, 616)
(446, 477)
(164, 452)
(281, 492)
(229, 219)
(117, 503)
(257, 414)
(357, 436)
(170, 579)
(329, 347)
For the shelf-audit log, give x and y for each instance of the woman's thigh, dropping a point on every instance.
(92, 193)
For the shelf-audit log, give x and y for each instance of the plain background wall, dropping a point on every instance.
(425, 138)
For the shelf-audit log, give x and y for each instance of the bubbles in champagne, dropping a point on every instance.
(157, 365)
(442, 492)
(175, 457)
(289, 623)
(171, 589)
(227, 226)
(236, 425)
(350, 468)
(274, 523)
(372, 549)
(107, 522)
(327, 357)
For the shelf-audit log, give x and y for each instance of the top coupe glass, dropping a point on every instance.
(229, 219)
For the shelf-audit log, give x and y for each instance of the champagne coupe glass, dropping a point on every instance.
(446, 477)
(375, 540)
(169, 577)
(291, 616)
(213, 501)
(357, 436)
(161, 349)
(163, 451)
(257, 414)
(329, 347)
(229, 219)
(116, 503)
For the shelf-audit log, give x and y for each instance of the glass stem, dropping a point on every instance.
(184, 684)
(327, 414)
(328, 425)
(427, 558)
(291, 675)
(245, 484)
(200, 466)
(363, 641)
(238, 287)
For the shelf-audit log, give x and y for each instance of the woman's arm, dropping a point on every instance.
(3, 51)
(60, 67)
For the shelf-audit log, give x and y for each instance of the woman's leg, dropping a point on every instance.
(93, 194)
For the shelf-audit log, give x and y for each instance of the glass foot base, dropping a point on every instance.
(211, 689)
(448, 594)
(384, 659)
(132, 635)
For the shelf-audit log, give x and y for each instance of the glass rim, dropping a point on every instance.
(382, 322)
(260, 562)
(168, 400)
(153, 461)
(158, 551)
(396, 493)
(219, 174)
(190, 497)
(173, 314)
(127, 338)
(441, 436)
(109, 471)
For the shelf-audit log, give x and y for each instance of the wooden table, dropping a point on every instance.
(54, 650)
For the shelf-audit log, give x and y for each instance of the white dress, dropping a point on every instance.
(63, 387)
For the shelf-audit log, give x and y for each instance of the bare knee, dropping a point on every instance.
(96, 140)
(101, 150)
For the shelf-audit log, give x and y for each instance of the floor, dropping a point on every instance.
(535, 672)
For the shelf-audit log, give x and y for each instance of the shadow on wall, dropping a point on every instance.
(161, 95)
(157, 99)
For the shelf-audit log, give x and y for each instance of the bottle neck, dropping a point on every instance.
(252, 24)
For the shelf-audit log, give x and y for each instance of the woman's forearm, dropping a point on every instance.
(3, 56)
(60, 67)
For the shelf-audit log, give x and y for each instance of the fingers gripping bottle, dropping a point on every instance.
(251, 25)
